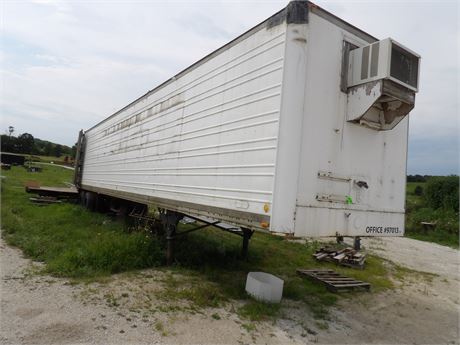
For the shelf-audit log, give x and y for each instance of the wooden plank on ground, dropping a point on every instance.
(52, 191)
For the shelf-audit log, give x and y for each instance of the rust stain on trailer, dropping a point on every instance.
(371, 86)
(300, 39)
(153, 110)
(367, 87)
(392, 111)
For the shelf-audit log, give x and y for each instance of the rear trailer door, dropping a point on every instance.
(352, 172)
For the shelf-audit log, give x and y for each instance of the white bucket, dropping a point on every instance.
(264, 287)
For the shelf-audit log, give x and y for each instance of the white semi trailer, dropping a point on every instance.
(299, 126)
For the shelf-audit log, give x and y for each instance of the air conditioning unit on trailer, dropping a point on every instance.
(382, 80)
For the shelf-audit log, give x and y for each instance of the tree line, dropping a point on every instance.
(417, 178)
(27, 144)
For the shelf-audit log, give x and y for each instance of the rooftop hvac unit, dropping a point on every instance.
(382, 82)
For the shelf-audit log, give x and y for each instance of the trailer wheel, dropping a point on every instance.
(83, 198)
(90, 201)
(102, 204)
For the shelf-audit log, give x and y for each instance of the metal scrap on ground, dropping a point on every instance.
(45, 200)
(346, 256)
(333, 280)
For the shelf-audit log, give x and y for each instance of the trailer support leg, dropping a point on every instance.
(170, 219)
(247, 234)
(357, 243)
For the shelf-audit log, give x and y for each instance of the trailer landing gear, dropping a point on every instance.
(339, 239)
(170, 219)
(247, 234)
(357, 243)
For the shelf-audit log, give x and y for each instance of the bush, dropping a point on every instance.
(434, 202)
(442, 192)
(418, 190)
(446, 220)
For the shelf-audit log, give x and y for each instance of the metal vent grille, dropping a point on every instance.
(375, 59)
(365, 63)
(404, 66)
(370, 60)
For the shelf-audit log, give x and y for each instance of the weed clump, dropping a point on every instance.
(258, 311)
(71, 240)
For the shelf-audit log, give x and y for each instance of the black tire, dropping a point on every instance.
(82, 198)
(102, 204)
(90, 201)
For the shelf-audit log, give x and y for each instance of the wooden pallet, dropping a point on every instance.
(345, 257)
(334, 281)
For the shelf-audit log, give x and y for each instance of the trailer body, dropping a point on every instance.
(270, 132)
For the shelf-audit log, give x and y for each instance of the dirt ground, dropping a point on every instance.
(422, 311)
(39, 309)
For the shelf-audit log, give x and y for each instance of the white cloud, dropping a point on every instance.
(79, 62)
(67, 65)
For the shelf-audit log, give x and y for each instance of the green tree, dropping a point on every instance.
(442, 192)
(25, 143)
(48, 149)
(9, 144)
(58, 150)
(73, 153)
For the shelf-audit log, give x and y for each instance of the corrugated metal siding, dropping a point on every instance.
(209, 137)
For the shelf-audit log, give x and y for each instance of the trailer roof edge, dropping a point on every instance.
(294, 13)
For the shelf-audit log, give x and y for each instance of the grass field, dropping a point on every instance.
(76, 243)
(43, 159)
(48, 159)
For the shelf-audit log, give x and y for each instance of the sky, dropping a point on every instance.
(66, 65)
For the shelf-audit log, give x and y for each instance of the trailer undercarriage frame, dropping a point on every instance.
(170, 221)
